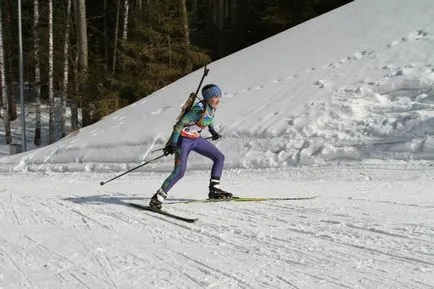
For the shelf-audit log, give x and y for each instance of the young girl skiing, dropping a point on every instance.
(186, 138)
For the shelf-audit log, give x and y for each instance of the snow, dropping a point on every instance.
(370, 227)
(340, 107)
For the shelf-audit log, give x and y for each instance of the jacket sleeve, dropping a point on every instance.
(190, 117)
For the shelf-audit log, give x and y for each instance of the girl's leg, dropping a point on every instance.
(181, 155)
(207, 149)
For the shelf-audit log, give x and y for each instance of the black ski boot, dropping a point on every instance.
(158, 199)
(215, 192)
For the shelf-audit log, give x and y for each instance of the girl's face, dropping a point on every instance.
(213, 102)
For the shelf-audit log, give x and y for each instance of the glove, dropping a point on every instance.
(216, 136)
(169, 149)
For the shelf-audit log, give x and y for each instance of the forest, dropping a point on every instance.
(98, 56)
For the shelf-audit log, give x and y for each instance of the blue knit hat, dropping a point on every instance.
(210, 91)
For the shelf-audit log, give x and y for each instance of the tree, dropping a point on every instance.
(116, 37)
(37, 84)
(161, 41)
(125, 31)
(220, 16)
(9, 68)
(52, 132)
(106, 37)
(82, 35)
(194, 23)
(158, 50)
(188, 64)
(4, 92)
(81, 29)
(139, 8)
(64, 94)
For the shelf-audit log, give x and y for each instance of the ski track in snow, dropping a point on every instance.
(342, 239)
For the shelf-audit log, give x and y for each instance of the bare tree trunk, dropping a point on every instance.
(81, 24)
(139, 9)
(211, 23)
(65, 68)
(232, 43)
(37, 139)
(188, 64)
(116, 37)
(8, 135)
(74, 66)
(51, 124)
(220, 26)
(13, 115)
(232, 13)
(212, 14)
(75, 104)
(169, 43)
(125, 32)
(194, 20)
(82, 31)
(106, 37)
(296, 13)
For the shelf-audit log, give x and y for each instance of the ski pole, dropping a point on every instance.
(103, 183)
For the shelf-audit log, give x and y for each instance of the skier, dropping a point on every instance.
(186, 138)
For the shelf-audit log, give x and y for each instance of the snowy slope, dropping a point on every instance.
(354, 84)
(340, 107)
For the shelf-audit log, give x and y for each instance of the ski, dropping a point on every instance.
(162, 212)
(241, 199)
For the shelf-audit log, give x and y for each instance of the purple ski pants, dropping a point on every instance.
(202, 147)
